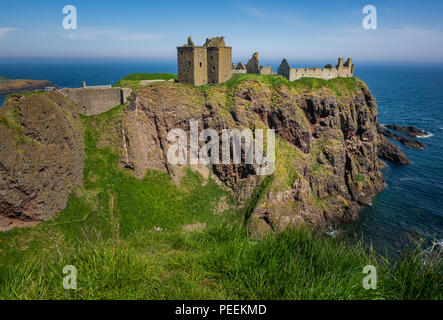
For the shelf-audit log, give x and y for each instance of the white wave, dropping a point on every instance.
(426, 136)
(407, 179)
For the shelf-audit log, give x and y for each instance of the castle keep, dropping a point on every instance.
(210, 63)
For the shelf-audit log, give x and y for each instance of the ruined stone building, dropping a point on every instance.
(210, 63)
(239, 68)
(328, 72)
(253, 66)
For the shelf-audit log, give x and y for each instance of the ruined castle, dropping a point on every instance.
(328, 72)
(212, 64)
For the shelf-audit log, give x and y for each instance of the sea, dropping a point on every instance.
(409, 210)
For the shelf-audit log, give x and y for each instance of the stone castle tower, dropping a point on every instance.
(210, 63)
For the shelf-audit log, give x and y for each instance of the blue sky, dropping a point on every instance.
(298, 30)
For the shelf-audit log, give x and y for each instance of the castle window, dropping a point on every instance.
(212, 57)
(201, 64)
(181, 52)
(213, 68)
(189, 63)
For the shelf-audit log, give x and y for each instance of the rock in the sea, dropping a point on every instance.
(408, 142)
(408, 130)
(390, 152)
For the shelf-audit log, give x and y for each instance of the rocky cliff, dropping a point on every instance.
(327, 145)
(41, 156)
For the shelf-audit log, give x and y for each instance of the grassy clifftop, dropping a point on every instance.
(133, 80)
(339, 86)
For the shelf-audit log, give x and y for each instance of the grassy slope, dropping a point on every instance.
(107, 233)
(133, 80)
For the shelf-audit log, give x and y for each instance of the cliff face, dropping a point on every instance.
(327, 146)
(41, 156)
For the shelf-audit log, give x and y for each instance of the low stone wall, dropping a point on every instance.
(93, 101)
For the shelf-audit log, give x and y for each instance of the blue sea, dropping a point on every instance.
(408, 210)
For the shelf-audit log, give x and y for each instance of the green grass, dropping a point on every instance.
(339, 86)
(134, 79)
(360, 178)
(107, 232)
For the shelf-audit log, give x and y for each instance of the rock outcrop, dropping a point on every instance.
(41, 156)
(390, 152)
(408, 130)
(408, 142)
(327, 146)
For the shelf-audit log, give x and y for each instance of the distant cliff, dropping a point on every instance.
(21, 85)
(327, 146)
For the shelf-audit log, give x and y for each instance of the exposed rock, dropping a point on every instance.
(41, 155)
(411, 143)
(390, 152)
(335, 138)
(408, 130)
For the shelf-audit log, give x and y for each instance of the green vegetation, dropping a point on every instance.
(360, 178)
(153, 239)
(339, 86)
(133, 80)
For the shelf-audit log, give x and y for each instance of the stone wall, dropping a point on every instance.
(225, 62)
(253, 66)
(93, 101)
(326, 73)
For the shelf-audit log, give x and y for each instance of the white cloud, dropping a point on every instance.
(4, 31)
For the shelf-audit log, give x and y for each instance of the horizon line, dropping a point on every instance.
(170, 60)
